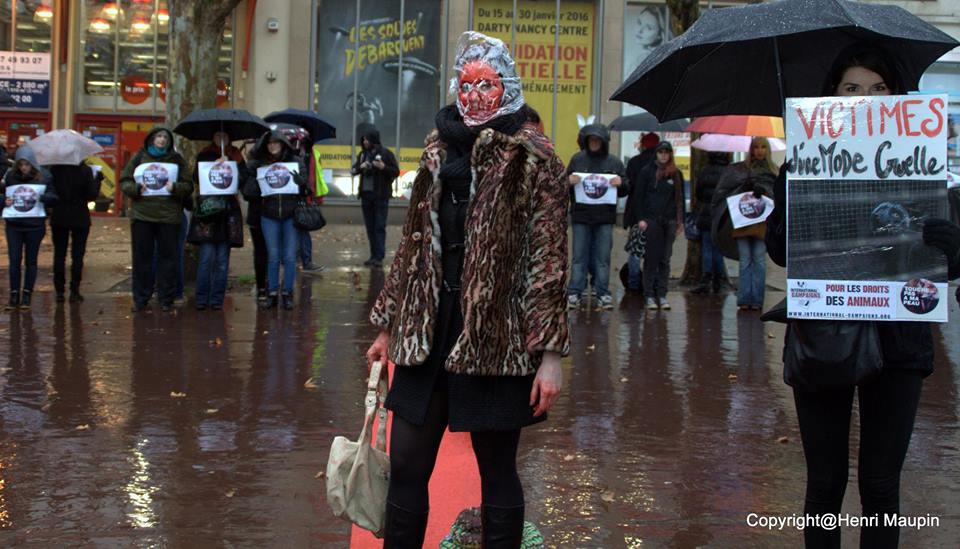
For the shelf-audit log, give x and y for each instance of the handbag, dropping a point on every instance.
(636, 242)
(210, 207)
(691, 230)
(358, 474)
(822, 355)
(307, 217)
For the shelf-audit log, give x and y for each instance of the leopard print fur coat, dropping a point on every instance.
(513, 294)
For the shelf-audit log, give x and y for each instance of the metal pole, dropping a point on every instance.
(444, 51)
(356, 85)
(400, 78)
(116, 61)
(312, 81)
(156, 37)
(13, 25)
(470, 15)
(513, 30)
(598, 54)
(556, 67)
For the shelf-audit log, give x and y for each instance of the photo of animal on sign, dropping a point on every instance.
(218, 178)
(25, 201)
(595, 188)
(278, 179)
(155, 177)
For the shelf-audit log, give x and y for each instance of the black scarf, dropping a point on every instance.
(460, 138)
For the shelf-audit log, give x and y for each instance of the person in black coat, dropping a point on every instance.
(647, 156)
(888, 403)
(76, 186)
(24, 234)
(276, 214)
(377, 168)
(712, 266)
(593, 222)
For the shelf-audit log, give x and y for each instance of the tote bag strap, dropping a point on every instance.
(376, 395)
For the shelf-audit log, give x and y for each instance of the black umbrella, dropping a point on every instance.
(747, 60)
(319, 128)
(238, 123)
(646, 122)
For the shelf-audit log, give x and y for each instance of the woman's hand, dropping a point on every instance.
(642, 225)
(379, 165)
(574, 179)
(8, 201)
(615, 181)
(168, 187)
(143, 188)
(547, 384)
(378, 349)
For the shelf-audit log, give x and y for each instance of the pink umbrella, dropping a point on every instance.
(718, 142)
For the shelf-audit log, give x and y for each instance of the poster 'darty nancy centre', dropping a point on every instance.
(863, 174)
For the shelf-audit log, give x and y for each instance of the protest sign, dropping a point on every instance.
(218, 177)
(278, 178)
(746, 209)
(864, 173)
(26, 201)
(595, 188)
(155, 176)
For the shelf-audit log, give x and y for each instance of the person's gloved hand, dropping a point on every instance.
(944, 235)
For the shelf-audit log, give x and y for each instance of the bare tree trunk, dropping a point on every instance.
(196, 33)
(683, 13)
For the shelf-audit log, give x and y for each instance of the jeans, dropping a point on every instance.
(656, 262)
(77, 237)
(888, 407)
(599, 238)
(282, 243)
(375, 218)
(634, 272)
(181, 244)
(753, 271)
(259, 257)
(305, 248)
(154, 244)
(212, 269)
(20, 239)
(711, 258)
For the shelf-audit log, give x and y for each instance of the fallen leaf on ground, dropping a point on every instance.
(732, 377)
(310, 384)
(212, 410)
(783, 440)
(770, 335)
(83, 427)
(230, 493)
(569, 457)
(320, 474)
(607, 496)
(174, 394)
(623, 380)
(215, 342)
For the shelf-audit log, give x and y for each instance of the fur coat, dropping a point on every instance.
(513, 294)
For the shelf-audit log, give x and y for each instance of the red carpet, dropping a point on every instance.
(455, 485)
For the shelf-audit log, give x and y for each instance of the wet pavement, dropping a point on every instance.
(200, 429)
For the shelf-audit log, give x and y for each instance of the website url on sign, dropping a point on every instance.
(831, 521)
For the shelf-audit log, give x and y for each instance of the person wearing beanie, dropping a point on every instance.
(647, 156)
(657, 210)
(593, 221)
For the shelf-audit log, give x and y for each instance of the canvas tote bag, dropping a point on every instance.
(358, 474)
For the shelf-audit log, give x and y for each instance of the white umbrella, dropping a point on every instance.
(63, 147)
(718, 142)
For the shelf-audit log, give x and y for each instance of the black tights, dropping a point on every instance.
(413, 453)
(888, 407)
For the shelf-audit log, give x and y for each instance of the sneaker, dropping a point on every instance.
(376, 263)
(606, 302)
(573, 302)
(664, 305)
(313, 269)
(178, 301)
(652, 304)
(368, 263)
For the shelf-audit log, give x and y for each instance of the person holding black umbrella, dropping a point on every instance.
(888, 403)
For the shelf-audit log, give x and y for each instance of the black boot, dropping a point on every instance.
(25, 299)
(269, 302)
(14, 300)
(403, 528)
(502, 527)
(287, 300)
(704, 286)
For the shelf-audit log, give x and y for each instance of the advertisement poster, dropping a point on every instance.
(26, 201)
(746, 209)
(864, 173)
(537, 59)
(218, 177)
(155, 176)
(595, 188)
(278, 178)
(645, 26)
(377, 67)
(26, 77)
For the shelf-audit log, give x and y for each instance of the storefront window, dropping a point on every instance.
(26, 25)
(125, 59)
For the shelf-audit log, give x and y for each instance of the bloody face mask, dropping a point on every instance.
(480, 93)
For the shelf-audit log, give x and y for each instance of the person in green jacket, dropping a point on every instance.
(156, 197)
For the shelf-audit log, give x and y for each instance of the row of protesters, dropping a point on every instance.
(593, 222)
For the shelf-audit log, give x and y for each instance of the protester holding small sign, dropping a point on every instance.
(217, 222)
(274, 175)
(658, 211)
(28, 190)
(156, 180)
(597, 179)
(888, 399)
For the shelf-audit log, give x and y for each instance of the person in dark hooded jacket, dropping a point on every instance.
(276, 214)
(593, 222)
(377, 168)
(647, 156)
(24, 234)
(76, 186)
(714, 271)
(155, 220)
